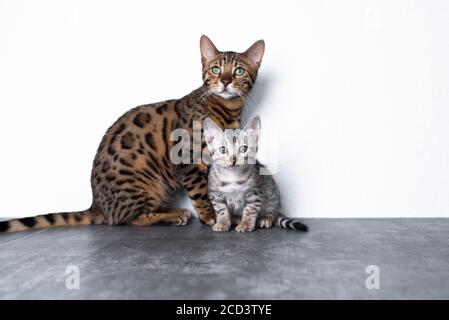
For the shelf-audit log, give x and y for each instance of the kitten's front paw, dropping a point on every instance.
(221, 227)
(244, 227)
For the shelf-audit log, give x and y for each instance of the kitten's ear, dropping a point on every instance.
(255, 53)
(208, 50)
(253, 124)
(211, 131)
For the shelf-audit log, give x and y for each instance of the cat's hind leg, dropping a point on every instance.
(195, 182)
(176, 217)
(133, 206)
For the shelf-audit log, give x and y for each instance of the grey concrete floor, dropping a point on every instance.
(193, 262)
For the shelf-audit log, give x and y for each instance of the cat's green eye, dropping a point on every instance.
(223, 149)
(239, 71)
(243, 149)
(216, 70)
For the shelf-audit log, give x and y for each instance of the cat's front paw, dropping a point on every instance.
(244, 227)
(207, 218)
(221, 227)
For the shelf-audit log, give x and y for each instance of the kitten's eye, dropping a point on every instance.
(243, 149)
(223, 150)
(239, 71)
(216, 70)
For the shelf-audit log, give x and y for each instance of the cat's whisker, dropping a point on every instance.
(205, 95)
(244, 101)
(247, 111)
(250, 96)
(243, 98)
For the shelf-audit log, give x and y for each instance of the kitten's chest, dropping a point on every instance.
(235, 203)
(235, 191)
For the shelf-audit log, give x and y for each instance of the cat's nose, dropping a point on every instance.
(226, 81)
(234, 160)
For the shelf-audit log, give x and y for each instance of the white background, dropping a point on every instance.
(353, 95)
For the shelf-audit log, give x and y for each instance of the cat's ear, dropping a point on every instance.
(208, 50)
(255, 53)
(211, 131)
(252, 128)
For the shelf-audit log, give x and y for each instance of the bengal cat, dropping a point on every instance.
(133, 178)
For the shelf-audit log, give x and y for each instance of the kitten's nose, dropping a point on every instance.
(234, 160)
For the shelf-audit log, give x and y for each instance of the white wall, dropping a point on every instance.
(355, 93)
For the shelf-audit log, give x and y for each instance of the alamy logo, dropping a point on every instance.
(72, 282)
(188, 149)
(373, 280)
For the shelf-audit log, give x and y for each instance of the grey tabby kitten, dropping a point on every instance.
(238, 192)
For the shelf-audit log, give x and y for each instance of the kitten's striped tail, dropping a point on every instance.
(289, 223)
(52, 220)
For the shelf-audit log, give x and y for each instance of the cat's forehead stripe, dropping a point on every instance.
(229, 57)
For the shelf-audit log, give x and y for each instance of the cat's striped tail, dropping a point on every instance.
(52, 220)
(289, 223)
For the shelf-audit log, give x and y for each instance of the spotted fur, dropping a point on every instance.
(133, 177)
(238, 191)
